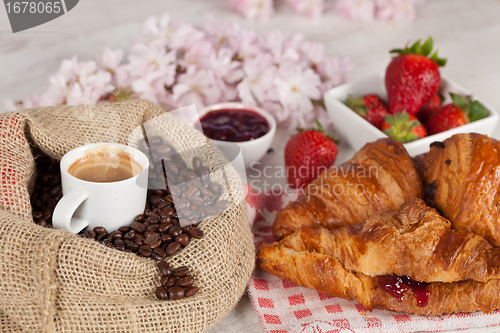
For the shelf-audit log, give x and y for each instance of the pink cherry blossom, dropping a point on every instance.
(258, 84)
(110, 60)
(296, 89)
(359, 10)
(398, 11)
(196, 87)
(261, 10)
(308, 8)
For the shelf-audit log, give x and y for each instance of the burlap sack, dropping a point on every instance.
(53, 281)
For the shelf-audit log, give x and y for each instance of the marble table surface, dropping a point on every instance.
(467, 33)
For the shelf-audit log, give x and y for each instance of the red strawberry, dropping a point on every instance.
(307, 154)
(462, 111)
(411, 78)
(371, 107)
(429, 107)
(403, 127)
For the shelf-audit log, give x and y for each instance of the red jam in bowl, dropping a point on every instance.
(397, 286)
(234, 125)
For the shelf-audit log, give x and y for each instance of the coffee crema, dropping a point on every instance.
(105, 166)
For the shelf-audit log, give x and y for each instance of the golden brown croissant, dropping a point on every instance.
(415, 242)
(327, 275)
(379, 177)
(462, 178)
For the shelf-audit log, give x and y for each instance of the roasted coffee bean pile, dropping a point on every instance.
(164, 228)
(47, 191)
(195, 195)
(175, 284)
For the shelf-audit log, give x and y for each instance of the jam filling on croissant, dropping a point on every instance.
(398, 285)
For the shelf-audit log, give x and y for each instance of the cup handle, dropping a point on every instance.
(62, 218)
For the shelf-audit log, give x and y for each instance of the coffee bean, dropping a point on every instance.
(101, 231)
(133, 247)
(175, 231)
(124, 230)
(163, 149)
(161, 293)
(163, 204)
(203, 172)
(171, 169)
(172, 248)
(140, 218)
(55, 191)
(54, 180)
(181, 271)
(90, 234)
(175, 190)
(185, 282)
(45, 197)
(156, 243)
(163, 228)
(145, 251)
(130, 235)
(166, 238)
(189, 175)
(192, 191)
(195, 182)
(167, 281)
(44, 178)
(116, 235)
(153, 228)
(214, 188)
(195, 232)
(191, 291)
(37, 215)
(37, 204)
(164, 268)
(196, 163)
(175, 292)
(151, 238)
(205, 192)
(137, 227)
(183, 239)
(143, 145)
(158, 254)
(119, 244)
(47, 214)
(43, 223)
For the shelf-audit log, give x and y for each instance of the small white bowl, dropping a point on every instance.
(253, 150)
(357, 131)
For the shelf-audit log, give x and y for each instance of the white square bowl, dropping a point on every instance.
(357, 131)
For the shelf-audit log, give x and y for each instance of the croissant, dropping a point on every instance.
(379, 177)
(415, 242)
(462, 181)
(326, 274)
(384, 262)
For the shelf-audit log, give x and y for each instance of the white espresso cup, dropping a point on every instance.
(105, 204)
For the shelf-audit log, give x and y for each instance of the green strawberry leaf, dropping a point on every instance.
(461, 101)
(356, 104)
(400, 51)
(477, 111)
(320, 128)
(401, 127)
(389, 120)
(427, 48)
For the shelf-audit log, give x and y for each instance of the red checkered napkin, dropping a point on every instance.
(283, 307)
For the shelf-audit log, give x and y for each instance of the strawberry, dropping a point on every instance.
(403, 127)
(307, 154)
(371, 107)
(462, 111)
(412, 78)
(429, 107)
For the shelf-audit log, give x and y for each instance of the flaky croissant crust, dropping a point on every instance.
(379, 177)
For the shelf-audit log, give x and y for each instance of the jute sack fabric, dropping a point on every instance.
(53, 281)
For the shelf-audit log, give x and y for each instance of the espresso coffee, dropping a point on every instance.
(104, 166)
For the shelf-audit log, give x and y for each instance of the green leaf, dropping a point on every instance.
(389, 120)
(320, 128)
(428, 45)
(400, 51)
(477, 111)
(461, 101)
